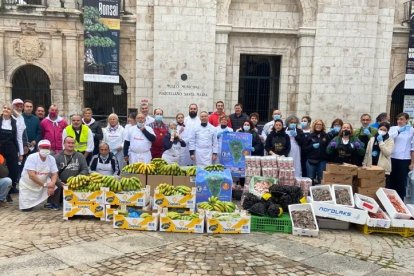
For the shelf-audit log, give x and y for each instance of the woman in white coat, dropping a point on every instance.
(379, 149)
(38, 180)
(113, 135)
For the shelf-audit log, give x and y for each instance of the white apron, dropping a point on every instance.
(139, 149)
(140, 157)
(31, 194)
(105, 169)
(173, 154)
(295, 154)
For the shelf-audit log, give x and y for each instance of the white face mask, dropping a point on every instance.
(381, 132)
(246, 128)
(44, 152)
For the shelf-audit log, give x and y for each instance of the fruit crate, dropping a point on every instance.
(282, 224)
(405, 232)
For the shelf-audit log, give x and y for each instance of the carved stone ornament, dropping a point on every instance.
(29, 48)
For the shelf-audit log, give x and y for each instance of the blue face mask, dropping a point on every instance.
(292, 126)
(337, 128)
(276, 117)
(158, 118)
(304, 124)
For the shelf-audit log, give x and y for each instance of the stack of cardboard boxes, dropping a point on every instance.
(339, 174)
(369, 180)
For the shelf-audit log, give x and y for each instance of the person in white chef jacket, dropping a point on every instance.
(113, 135)
(138, 141)
(190, 123)
(203, 142)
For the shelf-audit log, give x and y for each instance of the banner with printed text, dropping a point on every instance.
(409, 72)
(102, 24)
(234, 147)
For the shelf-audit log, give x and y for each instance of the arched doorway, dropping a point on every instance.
(30, 82)
(106, 98)
(397, 101)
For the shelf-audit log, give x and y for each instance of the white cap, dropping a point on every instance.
(44, 143)
(17, 101)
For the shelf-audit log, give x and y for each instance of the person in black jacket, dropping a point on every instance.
(315, 151)
(95, 128)
(257, 148)
(105, 162)
(278, 142)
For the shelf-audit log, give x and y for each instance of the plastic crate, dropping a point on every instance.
(405, 232)
(282, 224)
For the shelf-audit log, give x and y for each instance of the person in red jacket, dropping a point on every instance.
(52, 128)
(214, 118)
(160, 130)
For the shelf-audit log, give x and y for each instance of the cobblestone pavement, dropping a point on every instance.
(42, 243)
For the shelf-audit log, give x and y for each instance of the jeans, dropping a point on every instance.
(5, 185)
(315, 171)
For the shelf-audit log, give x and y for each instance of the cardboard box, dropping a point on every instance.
(371, 172)
(238, 224)
(83, 209)
(72, 197)
(347, 169)
(321, 187)
(371, 182)
(299, 231)
(340, 212)
(350, 192)
(371, 192)
(334, 178)
(381, 223)
(132, 198)
(366, 203)
(327, 223)
(188, 181)
(154, 180)
(195, 225)
(149, 223)
(175, 201)
(109, 212)
(382, 194)
(406, 223)
(142, 177)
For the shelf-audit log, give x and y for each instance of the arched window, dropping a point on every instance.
(397, 101)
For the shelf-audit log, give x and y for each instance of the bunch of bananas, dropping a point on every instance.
(158, 163)
(172, 169)
(214, 204)
(95, 177)
(131, 184)
(226, 217)
(78, 182)
(216, 167)
(112, 183)
(140, 168)
(94, 186)
(178, 216)
(169, 190)
(191, 171)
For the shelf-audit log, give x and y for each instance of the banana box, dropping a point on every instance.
(228, 223)
(181, 225)
(175, 201)
(148, 223)
(109, 212)
(84, 209)
(73, 197)
(133, 198)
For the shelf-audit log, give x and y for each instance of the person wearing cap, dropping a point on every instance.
(379, 149)
(82, 133)
(52, 128)
(11, 144)
(38, 181)
(18, 106)
(5, 182)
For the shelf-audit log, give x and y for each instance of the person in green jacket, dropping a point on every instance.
(364, 133)
(345, 148)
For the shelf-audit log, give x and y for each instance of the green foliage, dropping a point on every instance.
(92, 24)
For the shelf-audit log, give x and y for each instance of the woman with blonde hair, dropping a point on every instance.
(113, 135)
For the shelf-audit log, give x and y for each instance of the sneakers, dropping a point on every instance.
(27, 210)
(9, 198)
(51, 206)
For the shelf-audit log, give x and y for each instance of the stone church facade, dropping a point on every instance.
(325, 58)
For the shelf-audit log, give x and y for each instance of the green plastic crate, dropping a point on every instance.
(282, 224)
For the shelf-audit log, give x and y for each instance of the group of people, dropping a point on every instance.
(53, 149)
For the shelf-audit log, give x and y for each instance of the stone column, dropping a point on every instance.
(222, 36)
(57, 77)
(3, 79)
(72, 101)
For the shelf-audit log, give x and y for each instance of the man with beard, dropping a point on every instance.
(95, 128)
(190, 122)
(52, 128)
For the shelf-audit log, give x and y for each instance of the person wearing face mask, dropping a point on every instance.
(105, 162)
(138, 142)
(305, 125)
(191, 122)
(345, 148)
(315, 151)
(160, 130)
(52, 128)
(257, 148)
(203, 142)
(38, 180)
(379, 149)
(113, 135)
(364, 133)
(173, 145)
(278, 142)
(221, 129)
(381, 118)
(402, 156)
(296, 141)
(333, 132)
(267, 128)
